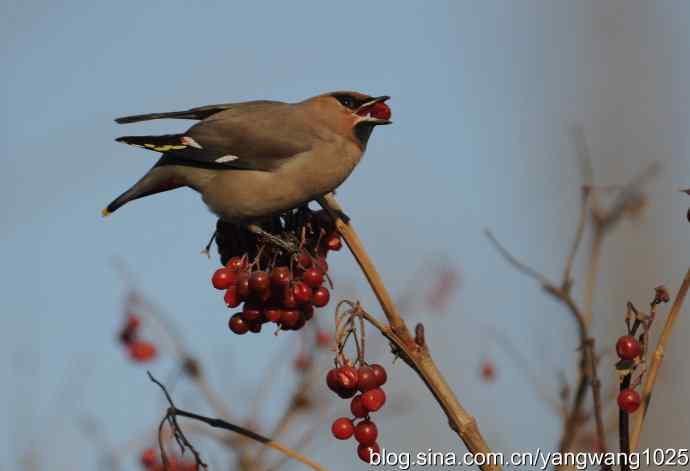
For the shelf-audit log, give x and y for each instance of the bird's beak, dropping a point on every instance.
(369, 112)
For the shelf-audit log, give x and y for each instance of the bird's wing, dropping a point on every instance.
(199, 113)
(257, 137)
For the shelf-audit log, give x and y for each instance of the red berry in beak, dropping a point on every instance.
(380, 111)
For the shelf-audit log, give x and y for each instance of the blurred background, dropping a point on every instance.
(484, 95)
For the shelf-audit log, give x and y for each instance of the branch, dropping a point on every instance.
(588, 373)
(173, 412)
(416, 356)
(657, 359)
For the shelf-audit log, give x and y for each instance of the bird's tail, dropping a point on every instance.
(156, 180)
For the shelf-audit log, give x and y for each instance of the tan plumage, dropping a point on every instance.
(255, 159)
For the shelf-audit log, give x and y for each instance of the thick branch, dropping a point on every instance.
(416, 356)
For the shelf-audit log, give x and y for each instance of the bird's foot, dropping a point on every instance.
(273, 239)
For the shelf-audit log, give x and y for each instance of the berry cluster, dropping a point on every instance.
(346, 381)
(275, 284)
(628, 348)
(139, 350)
(150, 462)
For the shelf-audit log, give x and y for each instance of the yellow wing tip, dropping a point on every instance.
(105, 213)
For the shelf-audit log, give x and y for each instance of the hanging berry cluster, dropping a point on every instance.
(631, 350)
(276, 280)
(358, 381)
(139, 350)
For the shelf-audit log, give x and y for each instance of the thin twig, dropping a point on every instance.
(588, 374)
(173, 412)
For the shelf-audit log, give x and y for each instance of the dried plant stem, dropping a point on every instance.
(596, 396)
(173, 412)
(588, 374)
(657, 359)
(417, 356)
(592, 270)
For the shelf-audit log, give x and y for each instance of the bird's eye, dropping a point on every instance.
(346, 101)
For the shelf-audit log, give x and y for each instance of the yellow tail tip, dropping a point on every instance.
(105, 213)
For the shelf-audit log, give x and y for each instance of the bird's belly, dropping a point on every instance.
(249, 195)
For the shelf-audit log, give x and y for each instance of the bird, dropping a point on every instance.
(256, 159)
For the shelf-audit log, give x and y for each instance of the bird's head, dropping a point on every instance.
(352, 113)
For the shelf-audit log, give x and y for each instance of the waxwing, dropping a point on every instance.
(255, 159)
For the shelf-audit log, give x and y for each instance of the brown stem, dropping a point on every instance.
(587, 368)
(596, 396)
(173, 412)
(417, 357)
(657, 359)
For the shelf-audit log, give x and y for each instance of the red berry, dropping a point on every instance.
(488, 371)
(260, 282)
(232, 300)
(357, 408)
(251, 312)
(237, 263)
(366, 432)
(367, 380)
(379, 373)
(301, 292)
(380, 111)
(321, 296)
(289, 301)
(333, 242)
(142, 351)
(242, 285)
(313, 277)
(365, 451)
(342, 428)
(254, 326)
(342, 381)
(332, 380)
(323, 339)
(272, 314)
(373, 399)
(347, 377)
(300, 322)
(628, 348)
(223, 277)
(148, 458)
(238, 325)
(629, 400)
(307, 312)
(289, 318)
(280, 276)
(304, 259)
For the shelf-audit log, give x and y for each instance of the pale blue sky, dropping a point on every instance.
(482, 96)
